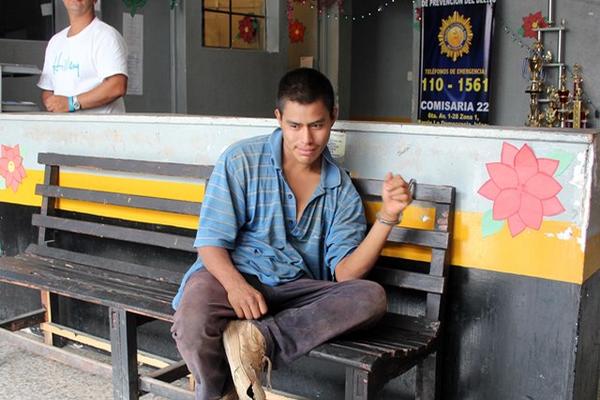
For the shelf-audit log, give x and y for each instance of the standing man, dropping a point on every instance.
(85, 67)
(282, 250)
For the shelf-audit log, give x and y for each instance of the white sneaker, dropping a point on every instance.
(245, 348)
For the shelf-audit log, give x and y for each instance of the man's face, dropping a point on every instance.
(306, 129)
(79, 7)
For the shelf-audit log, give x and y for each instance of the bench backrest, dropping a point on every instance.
(50, 220)
(431, 280)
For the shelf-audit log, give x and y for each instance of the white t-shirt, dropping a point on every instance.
(77, 64)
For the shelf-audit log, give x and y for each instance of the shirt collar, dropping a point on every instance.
(330, 172)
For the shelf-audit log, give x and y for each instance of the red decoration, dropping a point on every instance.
(11, 166)
(296, 31)
(419, 13)
(247, 29)
(531, 22)
(522, 188)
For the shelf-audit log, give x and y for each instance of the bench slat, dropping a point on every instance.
(423, 192)
(109, 264)
(395, 351)
(119, 199)
(363, 349)
(131, 166)
(421, 325)
(408, 280)
(28, 273)
(346, 356)
(117, 282)
(165, 240)
(420, 237)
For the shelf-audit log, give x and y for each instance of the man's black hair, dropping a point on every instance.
(305, 86)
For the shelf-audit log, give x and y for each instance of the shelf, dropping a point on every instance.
(19, 106)
(13, 70)
(551, 29)
(553, 65)
(17, 70)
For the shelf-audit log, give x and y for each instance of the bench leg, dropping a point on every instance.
(123, 341)
(50, 302)
(359, 385)
(427, 381)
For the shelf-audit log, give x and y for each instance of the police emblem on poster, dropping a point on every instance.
(456, 38)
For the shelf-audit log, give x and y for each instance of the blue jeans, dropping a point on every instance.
(302, 315)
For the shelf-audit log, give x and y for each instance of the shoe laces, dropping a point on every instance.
(266, 360)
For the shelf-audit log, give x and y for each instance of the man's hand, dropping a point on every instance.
(55, 103)
(395, 195)
(247, 302)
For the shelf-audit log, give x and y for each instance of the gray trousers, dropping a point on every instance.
(302, 315)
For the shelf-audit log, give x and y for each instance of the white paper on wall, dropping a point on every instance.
(133, 33)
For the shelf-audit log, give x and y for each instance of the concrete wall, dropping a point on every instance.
(522, 322)
(381, 57)
(157, 57)
(225, 82)
(509, 103)
(232, 82)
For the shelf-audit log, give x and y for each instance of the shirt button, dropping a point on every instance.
(290, 196)
(291, 222)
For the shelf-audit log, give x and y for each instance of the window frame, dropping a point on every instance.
(230, 13)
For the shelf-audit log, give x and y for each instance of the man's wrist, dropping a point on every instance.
(74, 104)
(386, 219)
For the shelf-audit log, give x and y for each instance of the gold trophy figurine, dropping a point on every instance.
(551, 115)
(580, 112)
(563, 99)
(535, 63)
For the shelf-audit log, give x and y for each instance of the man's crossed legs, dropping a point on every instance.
(302, 315)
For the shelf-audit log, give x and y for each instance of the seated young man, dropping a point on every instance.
(282, 250)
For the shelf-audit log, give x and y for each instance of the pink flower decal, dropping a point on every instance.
(522, 188)
(11, 166)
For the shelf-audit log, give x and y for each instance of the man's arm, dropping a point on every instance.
(396, 196)
(46, 94)
(246, 301)
(108, 91)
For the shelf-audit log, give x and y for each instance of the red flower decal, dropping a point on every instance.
(11, 167)
(531, 22)
(247, 29)
(296, 31)
(522, 188)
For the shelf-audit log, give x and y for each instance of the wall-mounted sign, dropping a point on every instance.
(456, 38)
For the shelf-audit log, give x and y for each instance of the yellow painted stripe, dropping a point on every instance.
(101, 343)
(532, 253)
(25, 194)
(592, 257)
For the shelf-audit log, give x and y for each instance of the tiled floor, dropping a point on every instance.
(27, 376)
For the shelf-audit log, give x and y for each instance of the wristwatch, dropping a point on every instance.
(76, 105)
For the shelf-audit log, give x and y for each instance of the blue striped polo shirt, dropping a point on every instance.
(249, 209)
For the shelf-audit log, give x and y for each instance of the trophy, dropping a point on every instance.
(579, 111)
(551, 115)
(535, 62)
(563, 100)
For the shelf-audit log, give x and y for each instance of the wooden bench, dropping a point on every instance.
(136, 293)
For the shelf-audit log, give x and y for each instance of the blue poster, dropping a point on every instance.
(456, 38)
